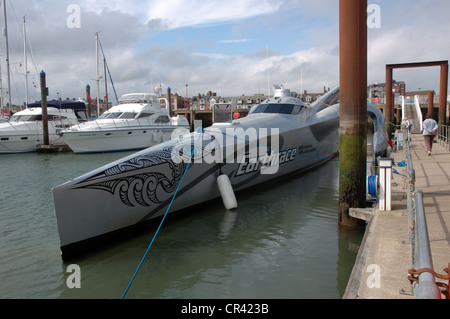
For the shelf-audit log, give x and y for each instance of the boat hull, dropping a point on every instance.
(25, 139)
(105, 140)
(158, 180)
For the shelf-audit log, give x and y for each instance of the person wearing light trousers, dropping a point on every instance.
(430, 127)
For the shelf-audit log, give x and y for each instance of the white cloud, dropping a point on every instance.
(182, 13)
(234, 41)
(230, 63)
(179, 13)
(412, 32)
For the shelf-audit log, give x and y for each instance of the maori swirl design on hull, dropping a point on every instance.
(143, 188)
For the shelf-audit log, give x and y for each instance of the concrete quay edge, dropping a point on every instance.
(385, 255)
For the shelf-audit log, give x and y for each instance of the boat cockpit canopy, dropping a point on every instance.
(72, 105)
(278, 108)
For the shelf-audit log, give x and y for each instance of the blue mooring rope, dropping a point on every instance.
(160, 224)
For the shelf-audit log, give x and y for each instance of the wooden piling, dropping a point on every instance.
(89, 100)
(443, 93)
(430, 102)
(389, 102)
(353, 109)
(169, 101)
(44, 94)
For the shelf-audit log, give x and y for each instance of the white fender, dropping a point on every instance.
(226, 191)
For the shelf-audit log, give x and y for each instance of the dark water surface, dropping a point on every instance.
(281, 242)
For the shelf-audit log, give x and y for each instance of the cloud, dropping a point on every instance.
(234, 41)
(410, 32)
(218, 45)
(179, 13)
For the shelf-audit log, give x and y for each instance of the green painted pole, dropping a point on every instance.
(353, 109)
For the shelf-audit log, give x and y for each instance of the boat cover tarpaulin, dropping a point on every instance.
(74, 105)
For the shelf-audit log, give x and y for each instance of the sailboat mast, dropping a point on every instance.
(98, 74)
(106, 82)
(268, 71)
(7, 57)
(25, 60)
(1, 91)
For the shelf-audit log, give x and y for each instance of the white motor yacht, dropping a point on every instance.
(137, 122)
(24, 131)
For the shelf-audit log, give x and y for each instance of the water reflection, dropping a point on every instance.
(281, 242)
(227, 224)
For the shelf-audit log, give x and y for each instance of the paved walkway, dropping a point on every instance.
(384, 258)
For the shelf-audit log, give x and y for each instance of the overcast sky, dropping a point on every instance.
(226, 47)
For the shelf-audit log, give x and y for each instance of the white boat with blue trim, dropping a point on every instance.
(279, 137)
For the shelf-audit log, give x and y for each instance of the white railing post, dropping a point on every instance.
(385, 183)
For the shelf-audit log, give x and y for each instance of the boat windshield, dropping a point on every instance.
(34, 118)
(162, 119)
(109, 115)
(278, 108)
(104, 115)
(128, 115)
(26, 118)
(142, 115)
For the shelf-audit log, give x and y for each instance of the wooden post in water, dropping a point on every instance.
(89, 100)
(169, 101)
(353, 109)
(44, 94)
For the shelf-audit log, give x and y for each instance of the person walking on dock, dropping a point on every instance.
(407, 125)
(430, 127)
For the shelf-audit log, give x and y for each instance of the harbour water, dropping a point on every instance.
(282, 242)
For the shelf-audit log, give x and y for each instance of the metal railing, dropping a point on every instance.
(411, 187)
(424, 285)
(443, 135)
